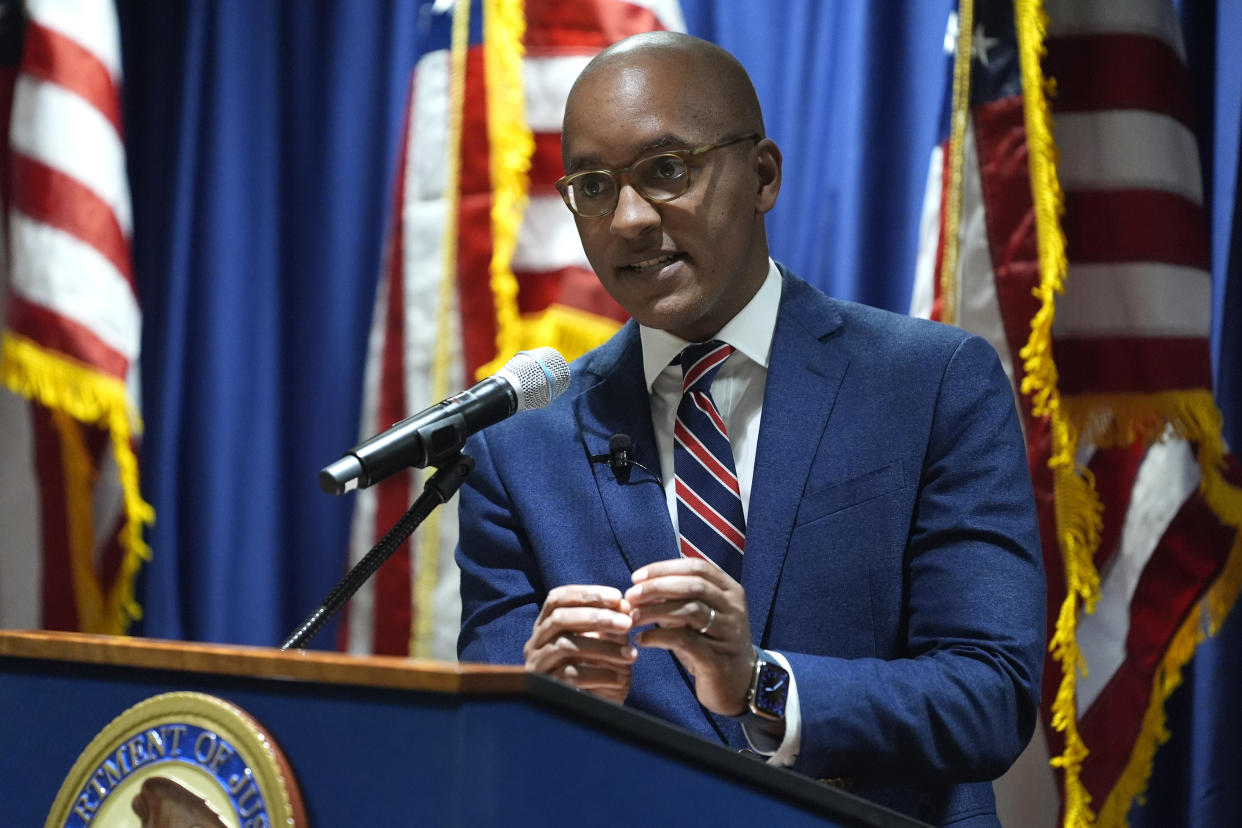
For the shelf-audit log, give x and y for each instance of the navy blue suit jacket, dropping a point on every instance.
(892, 552)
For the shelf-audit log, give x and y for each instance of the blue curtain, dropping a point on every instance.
(852, 93)
(261, 140)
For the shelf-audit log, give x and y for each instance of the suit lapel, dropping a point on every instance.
(804, 375)
(618, 404)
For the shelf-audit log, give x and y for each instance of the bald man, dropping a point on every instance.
(873, 614)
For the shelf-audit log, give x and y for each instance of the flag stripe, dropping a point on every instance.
(546, 81)
(1151, 18)
(1098, 152)
(57, 593)
(1131, 365)
(1138, 299)
(1154, 79)
(90, 23)
(584, 26)
(573, 287)
(53, 57)
(65, 335)
(50, 197)
(72, 279)
(1166, 477)
(391, 628)
(548, 239)
(1136, 225)
(1114, 470)
(997, 271)
(62, 130)
(545, 165)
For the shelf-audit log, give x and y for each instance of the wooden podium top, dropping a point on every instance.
(264, 662)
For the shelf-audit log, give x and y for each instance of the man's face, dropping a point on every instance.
(686, 265)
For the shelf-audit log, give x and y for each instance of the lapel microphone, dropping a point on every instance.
(620, 457)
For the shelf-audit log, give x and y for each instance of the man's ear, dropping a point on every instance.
(769, 159)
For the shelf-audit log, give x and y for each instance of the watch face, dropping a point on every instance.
(772, 690)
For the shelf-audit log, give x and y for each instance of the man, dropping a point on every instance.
(887, 627)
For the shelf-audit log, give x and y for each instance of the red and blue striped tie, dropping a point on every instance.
(709, 502)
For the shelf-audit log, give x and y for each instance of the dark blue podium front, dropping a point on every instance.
(387, 741)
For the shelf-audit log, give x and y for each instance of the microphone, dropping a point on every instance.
(529, 380)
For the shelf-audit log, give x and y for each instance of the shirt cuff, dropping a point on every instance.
(785, 753)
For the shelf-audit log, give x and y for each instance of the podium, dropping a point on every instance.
(395, 741)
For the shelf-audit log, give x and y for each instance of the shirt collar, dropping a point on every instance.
(749, 332)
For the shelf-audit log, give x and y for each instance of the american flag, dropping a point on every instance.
(69, 494)
(1102, 315)
(481, 260)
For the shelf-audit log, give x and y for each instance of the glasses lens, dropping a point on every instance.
(592, 193)
(661, 177)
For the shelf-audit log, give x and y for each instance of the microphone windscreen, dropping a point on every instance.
(539, 376)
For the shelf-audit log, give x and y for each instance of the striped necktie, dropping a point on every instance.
(710, 521)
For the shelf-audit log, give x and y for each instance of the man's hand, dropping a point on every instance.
(700, 615)
(582, 637)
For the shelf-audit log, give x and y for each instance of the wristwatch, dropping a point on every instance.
(769, 690)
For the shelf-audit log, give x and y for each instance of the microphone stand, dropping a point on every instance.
(439, 489)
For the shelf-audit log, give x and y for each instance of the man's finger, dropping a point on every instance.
(581, 595)
(592, 677)
(695, 615)
(683, 566)
(676, 588)
(579, 620)
(579, 649)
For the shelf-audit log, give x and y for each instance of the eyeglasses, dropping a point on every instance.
(657, 178)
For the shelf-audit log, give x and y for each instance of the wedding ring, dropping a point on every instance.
(711, 619)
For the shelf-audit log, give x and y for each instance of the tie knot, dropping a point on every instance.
(700, 362)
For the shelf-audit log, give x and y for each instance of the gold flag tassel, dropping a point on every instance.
(77, 394)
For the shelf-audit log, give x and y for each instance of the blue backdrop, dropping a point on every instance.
(262, 139)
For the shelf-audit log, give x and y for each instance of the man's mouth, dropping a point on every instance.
(648, 265)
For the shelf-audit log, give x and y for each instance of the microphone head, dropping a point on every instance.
(539, 376)
(620, 444)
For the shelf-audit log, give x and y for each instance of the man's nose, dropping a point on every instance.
(634, 215)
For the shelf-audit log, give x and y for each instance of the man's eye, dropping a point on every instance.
(668, 169)
(592, 186)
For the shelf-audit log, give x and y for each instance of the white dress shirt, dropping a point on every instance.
(737, 391)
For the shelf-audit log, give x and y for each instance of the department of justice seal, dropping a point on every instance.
(178, 760)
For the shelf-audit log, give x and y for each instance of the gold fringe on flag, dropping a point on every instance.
(1105, 420)
(1076, 504)
(511, 146)
(75, 393)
